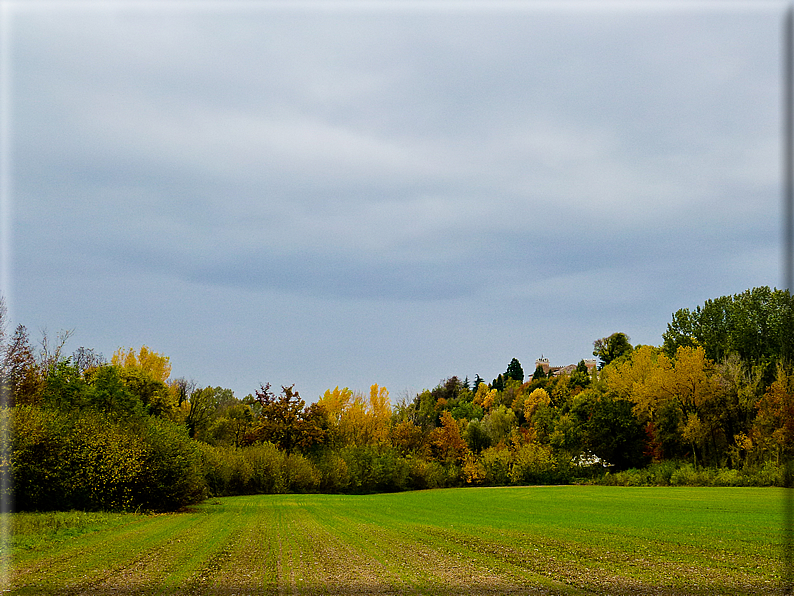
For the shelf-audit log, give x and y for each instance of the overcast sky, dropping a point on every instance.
(346, 194)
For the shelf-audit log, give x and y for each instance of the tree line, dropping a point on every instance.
(714, 403)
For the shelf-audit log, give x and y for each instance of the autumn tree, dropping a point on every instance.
(484, 397)
(154, 365)
(285, 421)
(406, 437)
(533, 402)
(354, 420)
(773, 430)
(734, 408)
(145, 374)
(672, 395)
(22, 376)
(447, 443)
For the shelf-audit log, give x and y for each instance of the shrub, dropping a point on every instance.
(334, 473)
(533, 464)
(300, 474)
(768, 474)
(728, 477)
(496, 464)
(267, 469)
(687, 475)
(88, 460)
(261, 468)
(171, 472)
(426, 474)
(373, 468)
(35, 453)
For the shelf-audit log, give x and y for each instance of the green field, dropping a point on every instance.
(533, 540)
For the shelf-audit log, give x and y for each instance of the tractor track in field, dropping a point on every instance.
(605, 571)
(386, 546)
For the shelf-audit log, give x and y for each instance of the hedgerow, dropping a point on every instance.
(90, 461)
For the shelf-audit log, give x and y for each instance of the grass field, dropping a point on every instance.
(534, 540)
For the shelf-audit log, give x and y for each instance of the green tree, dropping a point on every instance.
(514, 371)
(499, 424)
(498, 383)
(105, 391)
(608, 349)
(476, 436)
(201, 406)
(156, 396)
(580, 377)
(230, 425)
(610, 429)
(757, 325)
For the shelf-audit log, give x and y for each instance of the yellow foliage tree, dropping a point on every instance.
(480, 393)
(145, 374)
(655, 383)
(336, 403)
(623, 378)
(380, 413)
(686, 381)
(153, 364)
(355, 421)
(539, 397)
(484, 397)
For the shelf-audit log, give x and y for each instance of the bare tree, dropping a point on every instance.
(184, 389)
(52, 350)
(85, 358)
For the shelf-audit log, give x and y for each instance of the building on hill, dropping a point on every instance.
(555, 371)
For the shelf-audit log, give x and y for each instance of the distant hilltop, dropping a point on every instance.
(554, 371)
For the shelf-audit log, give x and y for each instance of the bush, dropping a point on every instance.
(334, 473)
(728, 477)
(171, 475)
(267, 469)
(89, 460)
(534, 464)
(496, 464)
(768, 474)
(300, 474)
(427, 474)
(374, 468)
(257, 469)
(687, 475)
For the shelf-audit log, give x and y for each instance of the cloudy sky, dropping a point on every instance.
(384, 192)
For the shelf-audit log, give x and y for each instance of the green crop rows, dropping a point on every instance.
(534, 540)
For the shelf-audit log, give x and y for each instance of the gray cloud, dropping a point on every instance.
(440, 170)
